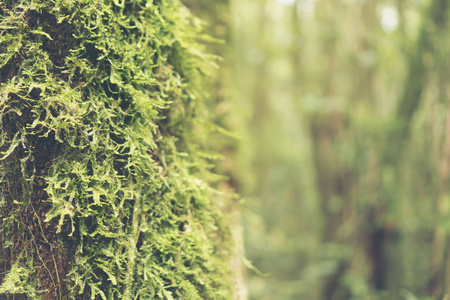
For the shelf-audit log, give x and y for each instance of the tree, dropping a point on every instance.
(105, 173)
(348, 125)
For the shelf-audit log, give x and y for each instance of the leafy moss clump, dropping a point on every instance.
(105, 173)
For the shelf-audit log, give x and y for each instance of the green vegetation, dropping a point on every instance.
(106, 171)
(346, 151)
(115, 125)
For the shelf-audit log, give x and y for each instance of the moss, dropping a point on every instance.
(103, 153)
(17, 281)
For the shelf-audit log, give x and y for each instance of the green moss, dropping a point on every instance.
(104, 163)
(17, 281)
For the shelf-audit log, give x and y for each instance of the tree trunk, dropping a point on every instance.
(105, 178)
(389, 262)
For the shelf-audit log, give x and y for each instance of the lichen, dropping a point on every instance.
(103, 150)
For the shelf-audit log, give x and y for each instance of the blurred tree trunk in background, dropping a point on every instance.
(348, 147)
(434, 21)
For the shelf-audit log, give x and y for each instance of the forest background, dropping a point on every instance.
(334, 128)
(344, 150)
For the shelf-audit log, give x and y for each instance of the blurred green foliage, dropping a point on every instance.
(345, 155)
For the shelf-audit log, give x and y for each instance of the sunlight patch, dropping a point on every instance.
(389, 19)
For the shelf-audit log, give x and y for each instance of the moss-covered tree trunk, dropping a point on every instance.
(105, 172)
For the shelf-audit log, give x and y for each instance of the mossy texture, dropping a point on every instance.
(105, 173)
